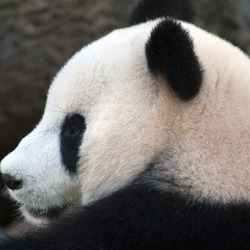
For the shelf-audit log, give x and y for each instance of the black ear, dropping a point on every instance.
(146, 10)
(170, 52)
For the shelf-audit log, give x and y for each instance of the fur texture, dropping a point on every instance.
(141, 217)
(158, 123)
(189, 160)
(170, 52)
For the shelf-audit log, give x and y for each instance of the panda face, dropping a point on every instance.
(46, 190)
(79, 150)
(127, 108)
(92, 90)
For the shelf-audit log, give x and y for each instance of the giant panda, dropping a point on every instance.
(144, 143)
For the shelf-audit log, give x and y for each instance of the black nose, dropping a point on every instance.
(11, 182)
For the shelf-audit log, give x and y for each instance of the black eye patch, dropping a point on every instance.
(70, 140)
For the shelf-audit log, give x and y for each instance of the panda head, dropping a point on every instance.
(161, 101)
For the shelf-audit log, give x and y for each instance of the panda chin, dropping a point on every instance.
(42, 216)
(48, 213)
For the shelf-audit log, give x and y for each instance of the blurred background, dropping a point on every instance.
(37, 37)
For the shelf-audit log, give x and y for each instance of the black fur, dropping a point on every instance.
(70, 140)
(142, 217)
(146, 10)
(170, 52)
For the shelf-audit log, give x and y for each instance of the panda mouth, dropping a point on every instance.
(46, 213)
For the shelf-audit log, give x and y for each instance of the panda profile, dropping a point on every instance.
(144, 143)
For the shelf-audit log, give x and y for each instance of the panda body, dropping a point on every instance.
(147, 129)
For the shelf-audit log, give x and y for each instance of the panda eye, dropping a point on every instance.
(73, 126)
(74, 130)
(71, 136)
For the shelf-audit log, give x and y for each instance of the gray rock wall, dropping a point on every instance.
(230, 19)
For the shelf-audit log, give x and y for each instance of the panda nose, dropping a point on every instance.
(11, 182)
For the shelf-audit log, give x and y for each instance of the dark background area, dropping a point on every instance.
(37, 37)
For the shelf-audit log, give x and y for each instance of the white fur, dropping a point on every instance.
(133, 117)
